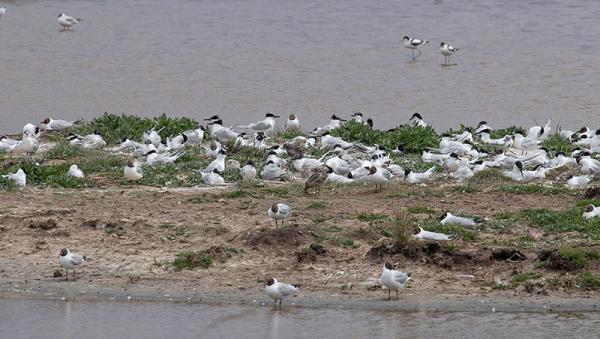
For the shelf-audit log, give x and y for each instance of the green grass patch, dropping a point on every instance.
(317, 205)
(570, 220)
(347, 242)
(114, 127)
(535, 189)
(590, 281)
(523, 277)
(579, 257)
(190, 260)
(420, 209)
(556, 143)
(414, 139)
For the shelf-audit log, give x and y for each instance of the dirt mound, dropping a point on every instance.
(45, 225)
(363, 234)
(280, 237)
(218, 253)
(439, 254)
(310, 253)
(592, 193)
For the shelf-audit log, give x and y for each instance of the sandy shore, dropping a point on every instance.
(132, 235)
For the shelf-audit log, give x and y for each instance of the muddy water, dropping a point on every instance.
(56, 319)
(521, 61)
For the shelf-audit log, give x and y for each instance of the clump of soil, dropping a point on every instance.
(310, 253)
(94, 223)
(431, 252)
(280, 237)
(43, 224)
(218, 253)
(363, 234)
(592, 193)
(555, 260)
(115, 227)
(509, 254)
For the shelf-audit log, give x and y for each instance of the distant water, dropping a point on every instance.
(521, 61)
(54, 319)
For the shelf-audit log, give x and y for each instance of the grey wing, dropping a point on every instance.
(76, 259)
(285, 208)
(400, 277)
(287, 289)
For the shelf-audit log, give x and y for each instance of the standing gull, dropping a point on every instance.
(279, 291)
(392, 279)
(70, 261)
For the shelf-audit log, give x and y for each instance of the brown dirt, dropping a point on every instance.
(131, 236)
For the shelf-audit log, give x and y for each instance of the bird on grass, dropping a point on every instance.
(132, 171)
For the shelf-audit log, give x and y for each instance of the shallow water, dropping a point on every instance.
(58, 319)
(521, 61)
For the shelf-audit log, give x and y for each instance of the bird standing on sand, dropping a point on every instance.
(392, 279)
(67, 21)
(414, 44)
(279, 291)
(447, 51)
(279, 212)
(70, 261)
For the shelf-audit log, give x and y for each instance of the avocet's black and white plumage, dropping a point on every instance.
(447, 50)
(414, 44)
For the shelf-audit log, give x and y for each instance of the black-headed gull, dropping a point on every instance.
(590, 212)
(427, 235)
(392, 279)
(132, 171)
(378, 176)
(50, 124)
(67, 21)
(450, 219)
(279, 291)
(279, 212)
(70, 261)
(292, 123)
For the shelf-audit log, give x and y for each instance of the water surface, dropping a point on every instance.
(521, 61)
(58, 319)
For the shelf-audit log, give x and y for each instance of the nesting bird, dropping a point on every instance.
(132, 171)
